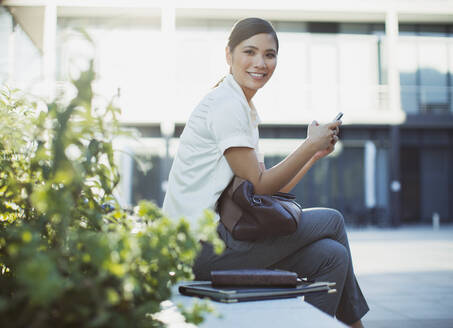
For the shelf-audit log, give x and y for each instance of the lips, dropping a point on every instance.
(257, 76)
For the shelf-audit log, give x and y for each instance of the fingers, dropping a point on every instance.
(335, 129)
(325, 136)
(334, 124)
(333, 140)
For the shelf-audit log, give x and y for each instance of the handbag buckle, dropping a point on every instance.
(257, 200)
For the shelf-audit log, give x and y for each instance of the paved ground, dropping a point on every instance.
(406, 275)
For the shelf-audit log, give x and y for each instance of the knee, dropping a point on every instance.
(337, 218)
(335, 253)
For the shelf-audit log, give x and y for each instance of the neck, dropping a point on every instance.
(249, 93)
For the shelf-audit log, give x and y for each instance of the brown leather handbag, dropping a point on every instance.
(248, 216)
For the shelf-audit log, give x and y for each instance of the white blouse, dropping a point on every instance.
(200, 172)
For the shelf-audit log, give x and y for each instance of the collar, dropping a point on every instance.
(252, 112)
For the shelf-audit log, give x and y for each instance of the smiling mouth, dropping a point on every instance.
(257, 76)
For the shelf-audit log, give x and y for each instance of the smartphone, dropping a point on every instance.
(338, 117)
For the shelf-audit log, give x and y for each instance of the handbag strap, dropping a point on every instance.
(229, 211)
(235, 185)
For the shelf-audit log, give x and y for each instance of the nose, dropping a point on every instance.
(260, 62)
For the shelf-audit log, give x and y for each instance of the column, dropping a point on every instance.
(127, 175)
(370, 174)
(395, 176)
(391, 35)
(391, 32)
(167, 127)
(49, 48)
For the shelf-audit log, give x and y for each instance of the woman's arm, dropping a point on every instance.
(320, 154)
(299, 175)
(244, 163)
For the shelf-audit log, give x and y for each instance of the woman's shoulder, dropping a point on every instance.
(221, 99)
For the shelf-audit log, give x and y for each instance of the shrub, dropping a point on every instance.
(65, 261)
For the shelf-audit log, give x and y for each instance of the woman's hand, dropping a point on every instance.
(323, 137)
(323, 153)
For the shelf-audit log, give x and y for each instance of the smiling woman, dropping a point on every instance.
(220, 141)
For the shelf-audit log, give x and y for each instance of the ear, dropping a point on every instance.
(229, 56)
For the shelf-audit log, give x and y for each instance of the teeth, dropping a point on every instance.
(256, 75)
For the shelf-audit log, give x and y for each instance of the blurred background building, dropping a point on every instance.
(388, 65)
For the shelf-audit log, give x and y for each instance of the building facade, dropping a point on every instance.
(387, 65)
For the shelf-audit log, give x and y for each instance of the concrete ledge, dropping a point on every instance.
(291, 312)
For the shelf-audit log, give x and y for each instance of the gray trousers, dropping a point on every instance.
(318, 250)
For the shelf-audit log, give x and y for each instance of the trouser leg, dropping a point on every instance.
(315, 224)
(322, 260)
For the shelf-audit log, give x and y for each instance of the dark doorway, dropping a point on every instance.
(434, 183)
(410, 186)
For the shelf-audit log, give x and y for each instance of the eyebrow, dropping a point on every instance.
(253, 47)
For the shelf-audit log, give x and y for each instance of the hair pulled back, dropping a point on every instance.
(248, 27)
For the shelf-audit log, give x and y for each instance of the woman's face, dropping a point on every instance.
(252, 62)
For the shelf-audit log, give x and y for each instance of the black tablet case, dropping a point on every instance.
(236, 294)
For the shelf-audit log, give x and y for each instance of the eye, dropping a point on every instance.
(249, 52)
(271, 55)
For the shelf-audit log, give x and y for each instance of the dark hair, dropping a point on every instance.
(248, 27)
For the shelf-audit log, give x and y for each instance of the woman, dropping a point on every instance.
(220, 140)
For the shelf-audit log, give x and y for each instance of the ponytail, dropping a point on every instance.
(218, 83)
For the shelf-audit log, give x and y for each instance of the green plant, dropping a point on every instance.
(65, 261)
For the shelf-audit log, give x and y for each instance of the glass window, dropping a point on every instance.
(377, 29)
(127, 57)
(27, 60)
(450, 61)
(408, 29)
(324, 74)
(408, 66)
(433, 68)
(321, 27)
(354, 28)
(434, 184)
(441, 30)
(424, 65)
(433, 30)
(290, 26)
(358, 65)
(6, 26)
(146, 185)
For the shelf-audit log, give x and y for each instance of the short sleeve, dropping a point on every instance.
(228, 123)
